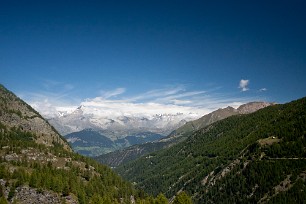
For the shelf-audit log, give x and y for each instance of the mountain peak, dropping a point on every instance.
(80, 107)
(252, 107)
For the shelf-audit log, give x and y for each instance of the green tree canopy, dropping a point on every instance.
(182, 198)
(161, 199)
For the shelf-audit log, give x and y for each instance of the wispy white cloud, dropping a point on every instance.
(181, 95)
(171, 100)
(155, 94)
(57, 85)
(51, 108)
(263, 89)
(110, 108)
(180, 102)
(112, 93)
(47, 83)
(53, 98)
(243, 84)
(49, 104)
(68, 87)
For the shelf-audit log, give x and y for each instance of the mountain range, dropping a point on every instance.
(127, 154)
(120, 131)
(117, 130)
(118, 126)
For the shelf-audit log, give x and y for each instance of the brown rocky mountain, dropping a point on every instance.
(131, 153)
(15, 113)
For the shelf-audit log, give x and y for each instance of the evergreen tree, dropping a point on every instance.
(161, 199)
(182, 198)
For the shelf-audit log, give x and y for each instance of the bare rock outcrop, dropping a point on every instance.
(15, 113)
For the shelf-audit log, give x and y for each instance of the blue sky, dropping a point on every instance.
(202, 54)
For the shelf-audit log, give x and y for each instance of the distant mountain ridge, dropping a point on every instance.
(122, 156)
(217, 115)
(122, 129)
(118, 126)
(89, 142)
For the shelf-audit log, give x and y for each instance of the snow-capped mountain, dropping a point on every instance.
(118, 125)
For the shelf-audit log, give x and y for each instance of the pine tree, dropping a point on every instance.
(161, 199)
(182, 198)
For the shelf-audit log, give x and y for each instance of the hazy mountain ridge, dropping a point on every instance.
(253, 158)
(91, 143)
(118, 126)
(122, 156)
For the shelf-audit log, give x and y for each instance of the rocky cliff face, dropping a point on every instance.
(15, 113)
(25, 194)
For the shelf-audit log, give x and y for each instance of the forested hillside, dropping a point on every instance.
(259, 157)
(38, 166)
